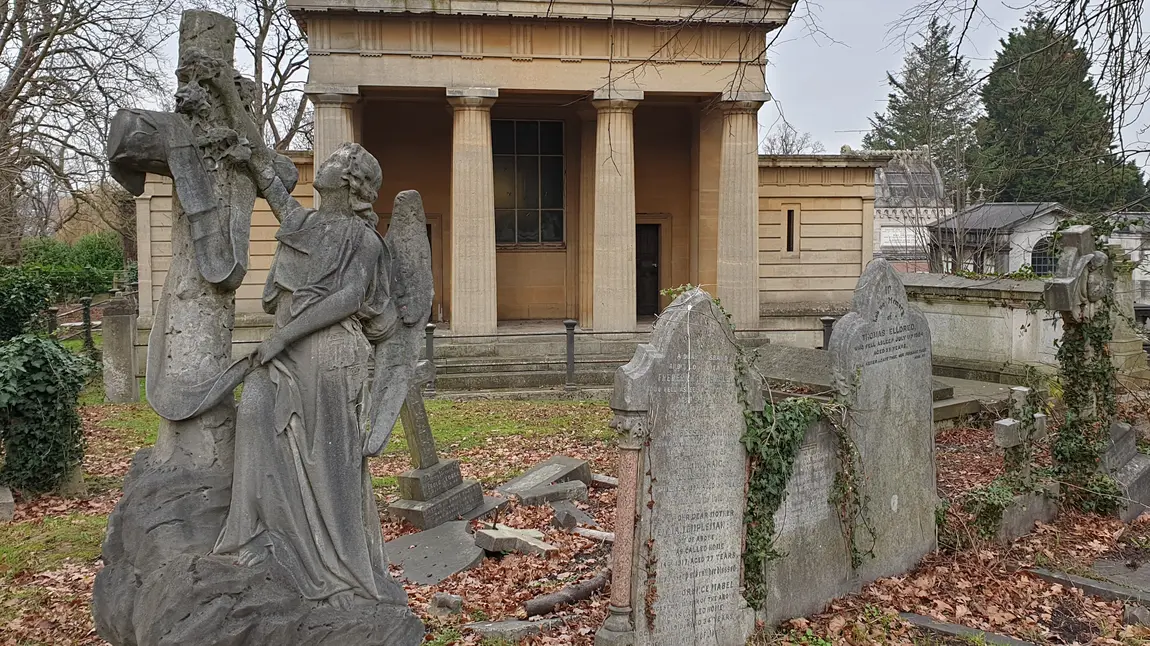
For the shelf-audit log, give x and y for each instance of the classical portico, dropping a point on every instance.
(573, 166)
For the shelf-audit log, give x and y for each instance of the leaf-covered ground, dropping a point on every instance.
(49, 554)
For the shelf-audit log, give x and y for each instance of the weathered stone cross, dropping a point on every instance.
(416, 427)
(1085, 276)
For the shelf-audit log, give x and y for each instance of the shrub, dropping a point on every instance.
(40, 384)
(102, 251)
(24, 293)
(45, 252)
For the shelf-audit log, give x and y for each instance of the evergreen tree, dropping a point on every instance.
(932, 103)
(1047, 135)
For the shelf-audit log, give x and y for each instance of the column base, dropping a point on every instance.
(617, 629)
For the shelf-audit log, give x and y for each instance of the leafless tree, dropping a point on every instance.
(66, 66)
(277, 55)
(785, 139)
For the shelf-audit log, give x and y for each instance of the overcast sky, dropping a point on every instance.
(828, 84)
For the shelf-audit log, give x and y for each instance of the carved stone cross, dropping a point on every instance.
(1085, 276)
(416, 427)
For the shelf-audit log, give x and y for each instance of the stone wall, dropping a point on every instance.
(985, 329)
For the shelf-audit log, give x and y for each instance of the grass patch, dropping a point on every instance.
(386, 484)
(40, 545)
(138, 422)
(466, 425)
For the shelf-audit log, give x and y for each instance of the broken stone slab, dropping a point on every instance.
(502, 538)
(1133, 480)
(571, 490)
(1019, 516)
(594, 534)
(513, 630)
(1135, 615)
(923, 622)
(567, 515)
(559, 468)
(600, 481)
(490, 504)
(444, 604)
(431, 556)
(1122, 446)
(448, 506)
(7, 505)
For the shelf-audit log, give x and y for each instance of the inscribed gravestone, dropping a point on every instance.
(687, 561)
(882, 367)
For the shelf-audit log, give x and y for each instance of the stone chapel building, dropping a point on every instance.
(575, 157)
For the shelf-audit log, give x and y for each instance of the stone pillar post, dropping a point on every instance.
(618, 628)
(119, 357)
(614, 262)
(473, 295)
(738, 247)
(334, 125)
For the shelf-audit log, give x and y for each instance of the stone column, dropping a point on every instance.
(618, 628)
(334, 125)
(614, 262)
(587, 217)
(334, 122)
(738, 244)
(473, 295)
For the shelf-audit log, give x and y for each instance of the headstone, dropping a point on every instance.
(554, 470)
(570, 490)
(7, 505)
(684, 561)
(810, 369)
(882, 366)
(119, 356)
(429, 557)
(434, 492)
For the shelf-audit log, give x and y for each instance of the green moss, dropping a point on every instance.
(40, 545)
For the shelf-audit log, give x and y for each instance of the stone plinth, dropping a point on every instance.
(119, 353)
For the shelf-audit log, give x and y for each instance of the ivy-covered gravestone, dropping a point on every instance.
(1094, 455)
(677, 577)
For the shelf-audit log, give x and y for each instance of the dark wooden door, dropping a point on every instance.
(647, 269)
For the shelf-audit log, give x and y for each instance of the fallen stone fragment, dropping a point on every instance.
(568, 594)
(559, 468)
(513, 630)
(7, 505)
(431, 556)
(567, 515)
(508, 539)
(962, 632)
(600, 481)
(572, 490)
(1135, 615)
(606, 537)
(444, 604)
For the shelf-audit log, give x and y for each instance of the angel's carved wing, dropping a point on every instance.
(412, 289)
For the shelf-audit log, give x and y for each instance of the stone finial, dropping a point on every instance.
(1085, 276)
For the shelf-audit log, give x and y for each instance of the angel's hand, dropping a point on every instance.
(269, 349)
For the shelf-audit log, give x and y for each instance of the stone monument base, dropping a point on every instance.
(158, 587)
(449, 505)
(1131, 469)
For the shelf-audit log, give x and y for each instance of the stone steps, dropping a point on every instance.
(521, 379)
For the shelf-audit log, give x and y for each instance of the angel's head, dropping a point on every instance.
(353, 167)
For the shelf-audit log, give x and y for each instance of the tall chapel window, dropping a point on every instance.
(529, 182)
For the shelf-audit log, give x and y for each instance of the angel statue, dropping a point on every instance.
(344, 299)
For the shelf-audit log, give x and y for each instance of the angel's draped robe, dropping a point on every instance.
(301, 483)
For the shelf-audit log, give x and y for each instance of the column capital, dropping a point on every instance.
(613, 93)
(613, 105)
(740, 107)
(327, 96)
(470, 102)
(743, 95)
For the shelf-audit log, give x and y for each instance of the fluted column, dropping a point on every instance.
(738, 248)
(334, 122)
(473, 286)
(587, 217)
(614, 262)
(334, 125)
